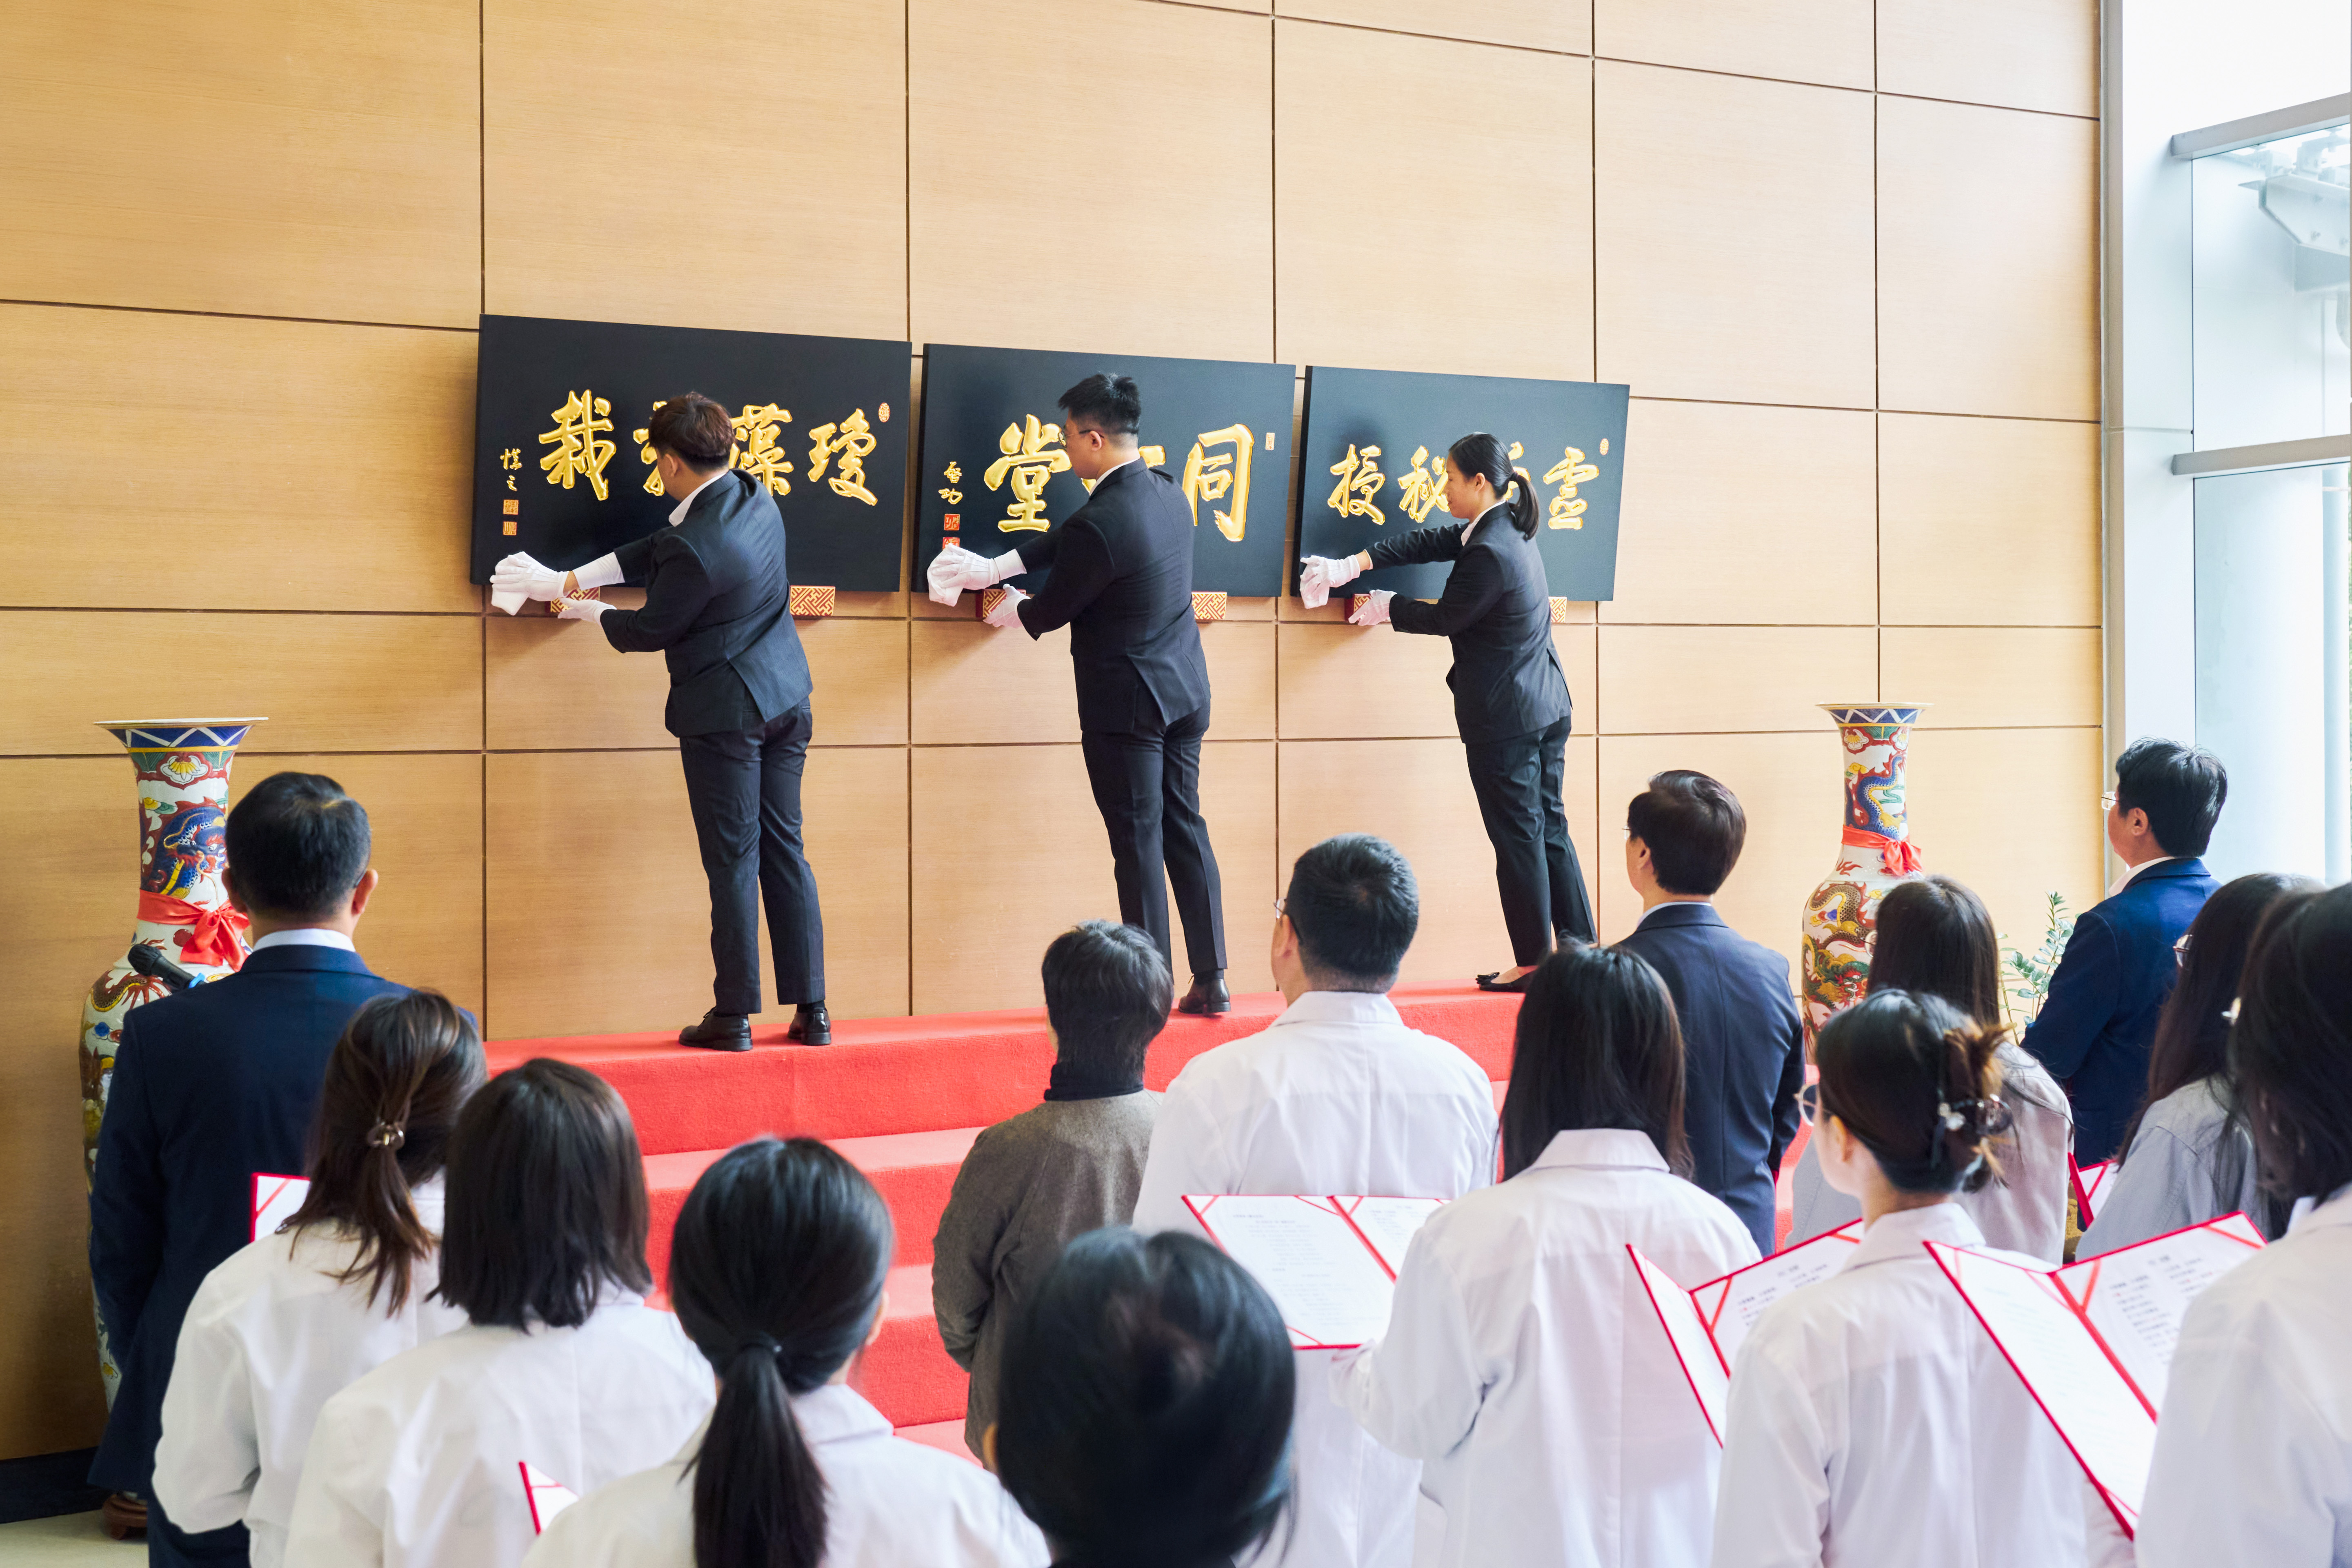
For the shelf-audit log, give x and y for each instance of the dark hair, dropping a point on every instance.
(776, 1271)
(1145, 1405)
(1936, 938)
(2291, 1048)
(693, 429)
(1915, 1078)
(1479, 454)
(1694, 827)
(2181, 788)
(1109, 403)
(546, 1201)
(296, 846)
(402, 1069)
(1597, 1046)
(1108, 992)
(2192, 1032)
(1355, 906)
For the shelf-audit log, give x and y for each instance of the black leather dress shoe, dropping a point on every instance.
(719, 1032)
(1492, 982)
(811, 1025)
(1208, 996)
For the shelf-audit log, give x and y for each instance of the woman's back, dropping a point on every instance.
(2189, 1161)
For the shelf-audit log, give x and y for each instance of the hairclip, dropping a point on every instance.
(387, 1135)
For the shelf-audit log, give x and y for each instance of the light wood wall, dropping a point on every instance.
(1843, 252)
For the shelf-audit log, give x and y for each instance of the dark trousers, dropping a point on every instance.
(745, 789)
(169, 1546)
(1146, 784)
(1519, 783)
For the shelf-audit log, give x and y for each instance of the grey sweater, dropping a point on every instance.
(1027, 1188)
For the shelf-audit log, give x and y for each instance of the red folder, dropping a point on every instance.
(547, 1498)
(1706, 1325)
(2093, 1342)
(275, 1199)
(1329, 1263)
(2088, 1183)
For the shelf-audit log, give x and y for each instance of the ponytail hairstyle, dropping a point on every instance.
(403, 1069)
(1598, 1045)
(2291, 1047)
(1144, 1407)
(1480, 454)
(1915, 1078)
(776, 1271)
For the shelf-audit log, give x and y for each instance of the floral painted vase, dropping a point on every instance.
(1841, 917)
(180, 767)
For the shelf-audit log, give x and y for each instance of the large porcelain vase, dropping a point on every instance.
(179, 767)
(1876, 853)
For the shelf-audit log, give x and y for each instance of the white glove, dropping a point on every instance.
(519, 573)
(581, 610)
(1007, 613)
(1318, 574)
(604, 572)
(948, 571)
(1374, 610)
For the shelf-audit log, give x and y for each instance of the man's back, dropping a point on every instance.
(1123, 578)
(209, 1088)
(1743, 1053)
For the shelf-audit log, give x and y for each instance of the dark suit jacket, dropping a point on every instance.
(718, 607)
(1497, 608)
(1122, 583)
(1743, 1053)
(2093, 1032)
(210, 1086)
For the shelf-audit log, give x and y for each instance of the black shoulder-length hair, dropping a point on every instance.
(2291, 1048)
(1598, 1045)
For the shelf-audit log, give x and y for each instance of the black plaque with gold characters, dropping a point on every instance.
(994, 475)
(562, 470)
(1374, 456)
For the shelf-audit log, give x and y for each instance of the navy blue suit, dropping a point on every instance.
(209, 1087)
(1743, 1053)
(2093, 1032)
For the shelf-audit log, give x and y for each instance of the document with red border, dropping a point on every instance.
(1329, 1262)
(2088, 1182)
(546, 1495)
(275, 1199)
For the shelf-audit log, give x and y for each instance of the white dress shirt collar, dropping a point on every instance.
(1474, 522)
(2131, 872)
(1340, 1007)
(1898, 1235)
(305, 936)
(677, 512)
(1107, 473)
(2334, 1209)
(1600, 1148)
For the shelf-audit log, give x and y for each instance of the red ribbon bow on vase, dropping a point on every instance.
(1900, 857)
(213, 935)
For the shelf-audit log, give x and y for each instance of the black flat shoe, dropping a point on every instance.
(811, 1025)
(1518, 986)
(1207, 997)
(719, 1032)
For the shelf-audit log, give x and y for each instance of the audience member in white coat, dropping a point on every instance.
(342, 1288)
(1336, 1097)
(776, 1271)
(1872, 1420)
(2188, 1155)
(1936, 937)
(2253, 1450)
(1523, 1364)
(562, 1365)
(1145, 1421)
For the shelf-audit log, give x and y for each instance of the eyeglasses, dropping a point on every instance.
(2180, 951)
(2107, 801)
(1809, 1104)
(1280, 911)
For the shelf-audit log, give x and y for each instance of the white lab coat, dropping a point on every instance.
(2253, 1447)
(890, 1503)
(269, 1339)
(2023, 1210)
(417, 1464)
(1525, 1365)
(1337, 1096)
(1872, 1422)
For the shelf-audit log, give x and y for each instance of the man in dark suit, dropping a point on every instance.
(1122, 580)
(719, 608)
(1743, 1041)
(211, 1086)
(2095, 1030)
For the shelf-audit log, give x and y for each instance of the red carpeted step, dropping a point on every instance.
(905, 1371)
(885, 1076)
(946, 1436)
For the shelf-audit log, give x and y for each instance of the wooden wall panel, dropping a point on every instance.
(1240, 676)
(423, 927)
(1994, 677)
(1792, 788)
(1733, 268)
(1054, 205)
(1988, 261)
(1717, 497)
(264, 160)
(1824, 41)
(1342, 682)
(2015, 815)
(328, 683)
(1528, 24)
(975, 684)
(1987, 521)
(2019, 54)
(1676, 679)
(1372, 266)
(355, 499)
(777, 140)
(554, 685)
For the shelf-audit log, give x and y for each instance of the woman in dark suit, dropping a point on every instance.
(1510, 700)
